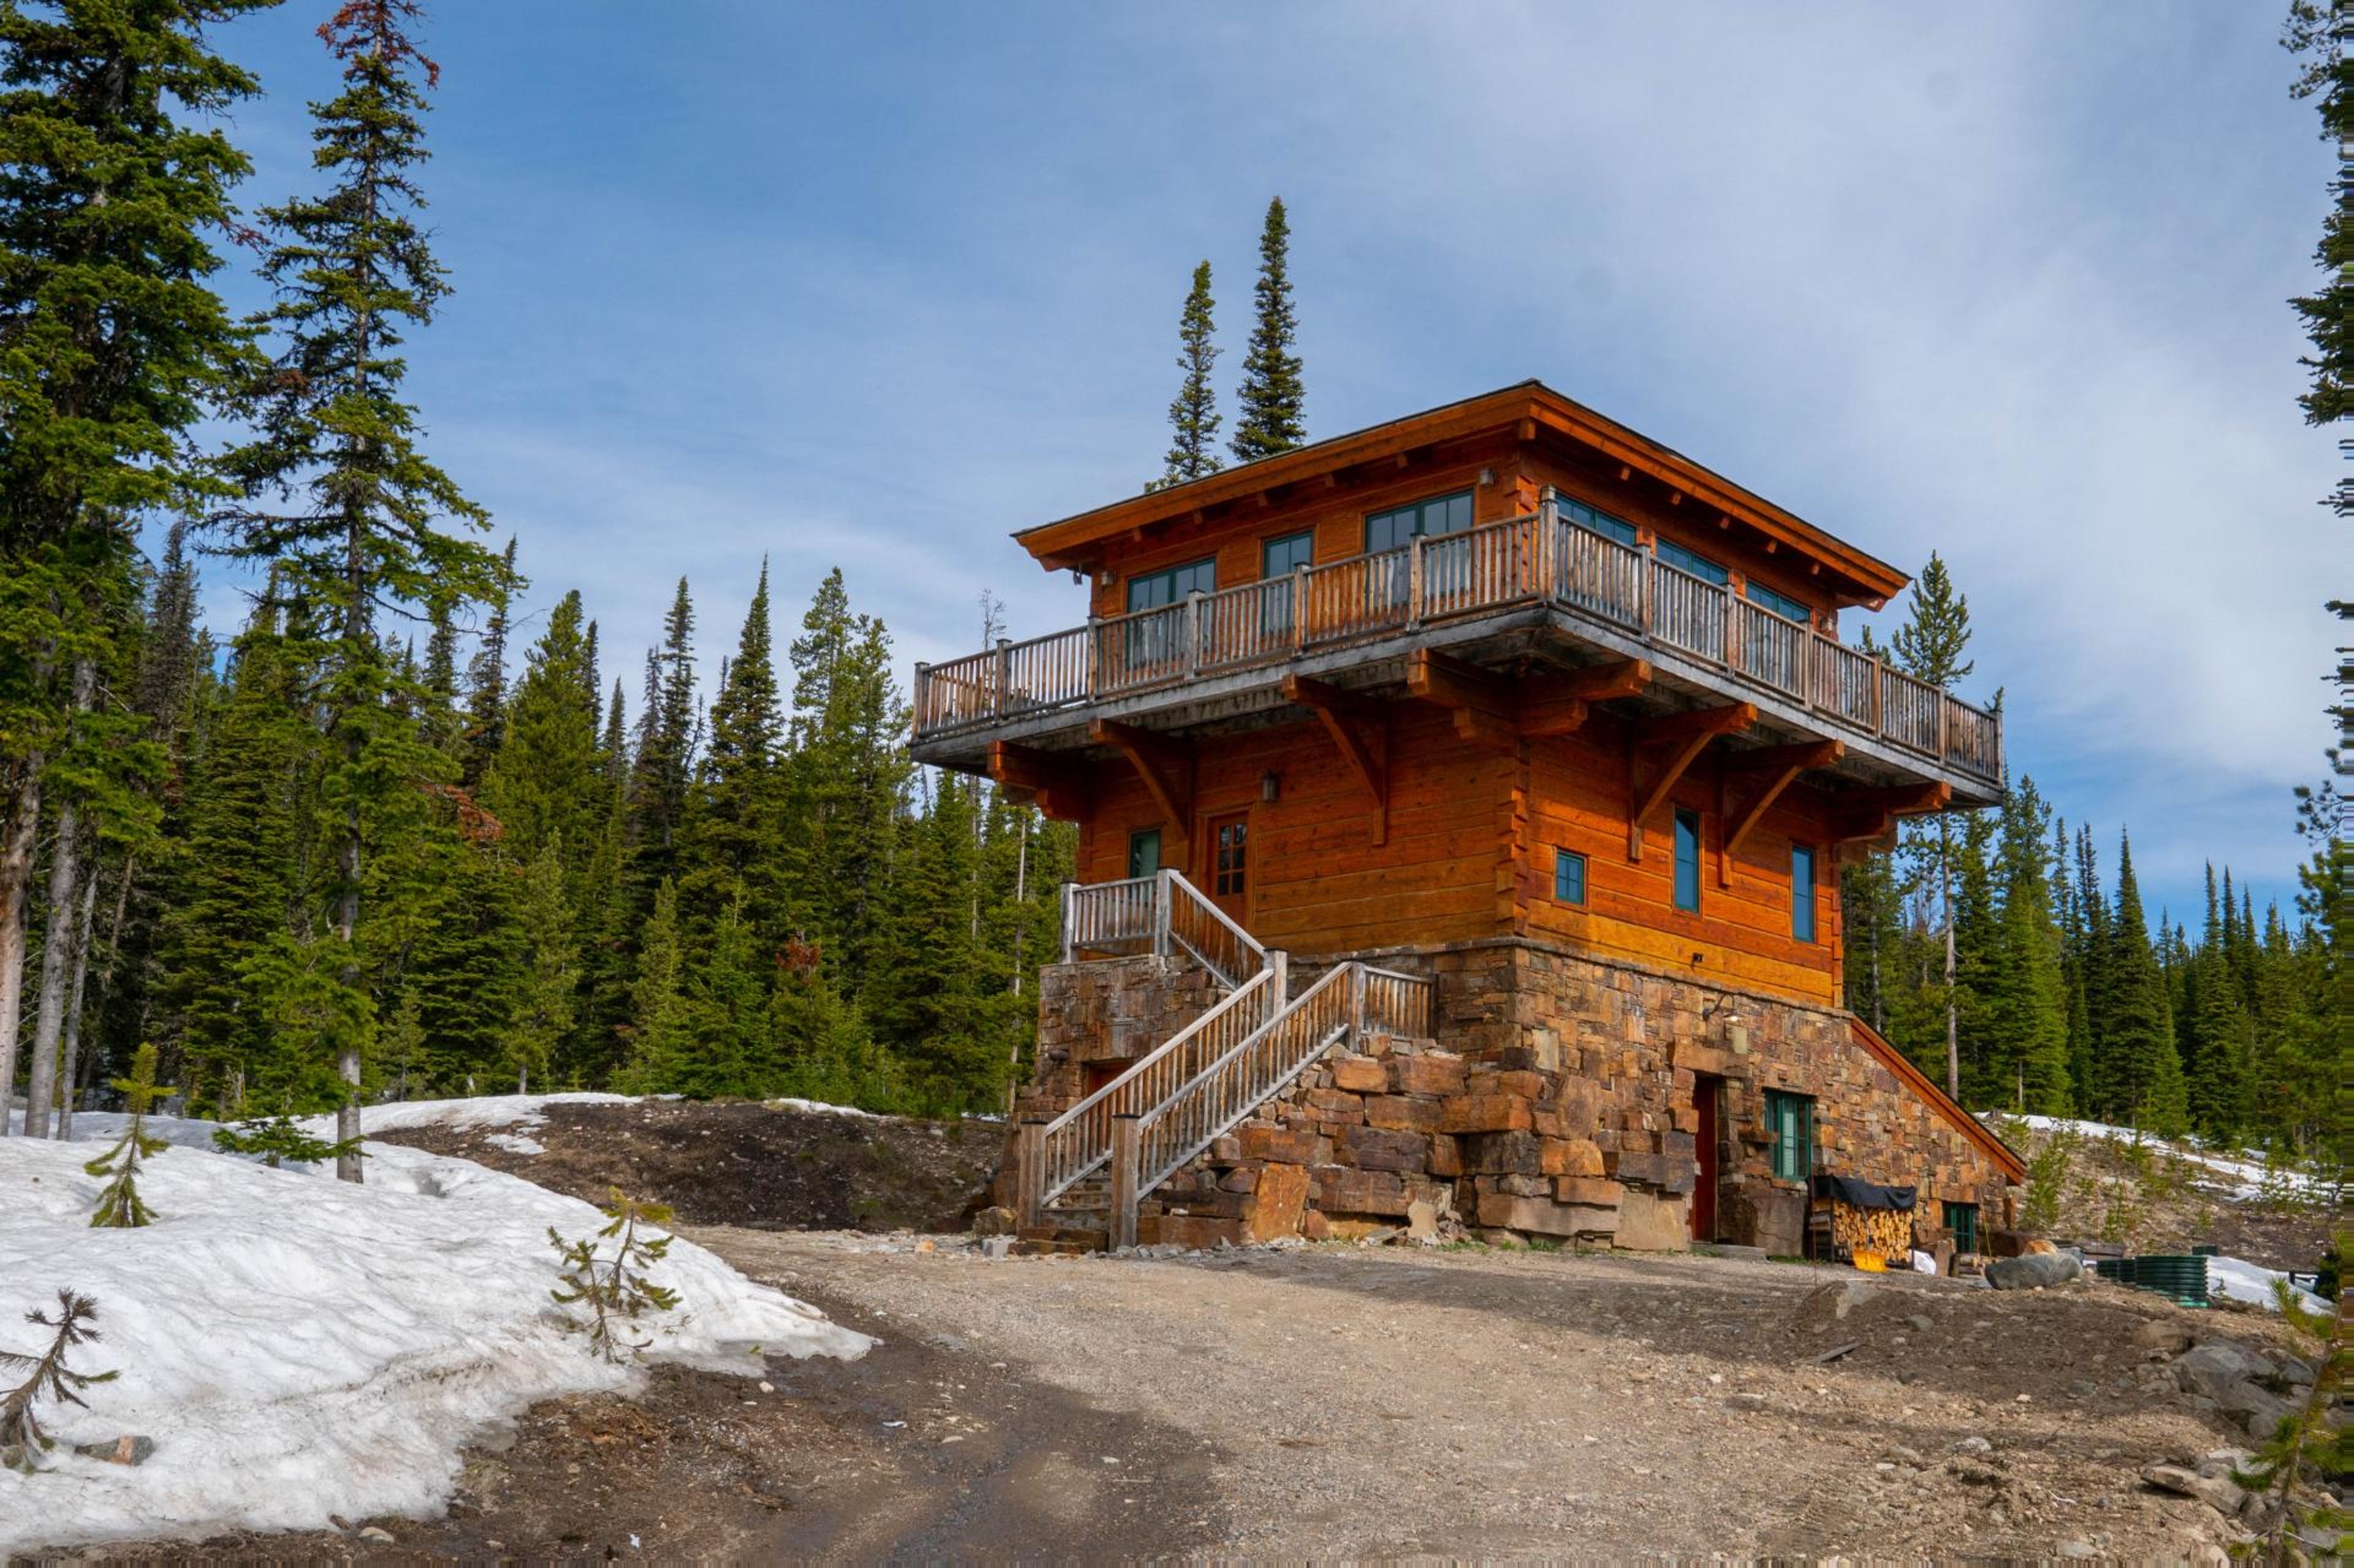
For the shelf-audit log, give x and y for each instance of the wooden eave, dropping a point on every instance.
(2004, 1157)
(1522, 412)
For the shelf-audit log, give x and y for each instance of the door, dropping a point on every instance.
(1707, 1097)
(1229, 840)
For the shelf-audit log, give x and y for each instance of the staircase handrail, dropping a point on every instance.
(1171, 926)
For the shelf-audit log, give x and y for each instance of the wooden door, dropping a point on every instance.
(1228, 886)
(1707, 1097)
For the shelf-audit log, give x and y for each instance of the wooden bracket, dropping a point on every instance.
(1775, 768)
(1481, 701)
(1868, 814)
(1559, 704)
(1676, 740)
(1496, 711)
(1054, 784)
(1360, 729)
(1166, 766)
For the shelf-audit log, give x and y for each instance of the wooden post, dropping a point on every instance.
(1878, 686)
(1093, 672)
(923, 695)
(1029, 1171)
(1548, 547)
(1070, 901)
(1299, 608)
(1194, 632)
(1280, 963)
(1127, 1166)
(1356, 1003)
(1005, 673)
(1646, 572)
(1161, 903)
(1414, 581)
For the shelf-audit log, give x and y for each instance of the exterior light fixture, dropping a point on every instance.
(1267, 787)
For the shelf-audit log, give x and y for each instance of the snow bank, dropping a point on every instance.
(2243, 1173)
(2237, 1280)
(299, 1346)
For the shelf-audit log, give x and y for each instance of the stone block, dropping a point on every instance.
(1402, 1113)
(1446, 1156)
(1486, 1113)
(1280, 1145)
(1502, 1153)
(1335, 1108)
(1187, 1230)
(1543, 1217)
(1638, 1166)
(1572, 1157)
(1527, 1084)
(1341, 1191)
(1359, 1075)
(1377, 1148)
(1649, 1222)
(1246, 1180)
(1593, 1191)
(1280, 1204)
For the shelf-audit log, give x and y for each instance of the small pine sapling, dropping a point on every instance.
(21, 1437)
(2310, 1446)
(280, 1140)
(617, 1286)
(119, 1205)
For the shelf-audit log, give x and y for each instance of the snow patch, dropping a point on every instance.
(2241, 1173)
(2237, 1280)
(299, 1346)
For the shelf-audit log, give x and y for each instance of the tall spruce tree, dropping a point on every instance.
(1193, 416)
(1929, 647)
(362, 517)
(2139, 1071)
(1269, 403)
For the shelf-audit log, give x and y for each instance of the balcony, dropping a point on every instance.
(1533, 588)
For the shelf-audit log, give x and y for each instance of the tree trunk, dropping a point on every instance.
(69, 1074)
(15, 877)
(57, 936)
(347, 866)
(1953, 1012)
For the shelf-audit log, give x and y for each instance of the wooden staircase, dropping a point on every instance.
(1105, 1154)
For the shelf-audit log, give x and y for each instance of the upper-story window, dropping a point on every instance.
(1687, 860)
(1802, 891)
(1282, 556)
(1154, 590)
(1440, 514)
(1698, 565)
(1781, 604)
(1602, 523)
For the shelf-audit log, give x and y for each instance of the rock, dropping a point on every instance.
(1422, 1221)
(2260, 1411)
(125, 1450)
(1650, 1222)
(2296, 1371)
(996, 1246)
(2077, 1549)
(995, 1220)
(2224, 1461)
(2033, 1271)
(1919, 1324)
(2216, 1492)
(2162, 1334)
(1973, 1445)
(380, 1537)
(2217, 1365)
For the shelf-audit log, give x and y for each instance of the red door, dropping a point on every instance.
(1229, 840)
(1706, 1100)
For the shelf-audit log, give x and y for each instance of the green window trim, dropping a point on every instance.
(1596, 519)
(1791, 1121)
(1687, 860)
(1174, 585)
(1144, 852)
(1802, 891)
(1437, 514)
(1691, 561)
(1961, 1224)
(1569, 876)
(1279, 556)
(1781, 604)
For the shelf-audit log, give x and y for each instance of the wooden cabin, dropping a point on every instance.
(1503, 689)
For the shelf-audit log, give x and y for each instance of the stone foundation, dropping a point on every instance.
(1557, 1101)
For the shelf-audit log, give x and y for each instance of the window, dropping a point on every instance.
(1699, 566)
(1440, 514)
(1802, 891)
(1602, 523)
(1278, 559)
(1791, 1119)
(1687, 859)
(1229, 840)
(1781, 604)
(1154, 590)
(1144, 852)
(1569, 876)
(1961, 1224)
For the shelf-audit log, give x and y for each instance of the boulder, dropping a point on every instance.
(2162, 1334)
(2216, 1491)
(1650, 1222)
(995, 1220)
(2033, 1271)
(2216, 1366)
(2258, 1409)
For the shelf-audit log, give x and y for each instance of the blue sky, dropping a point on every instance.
(875, 285)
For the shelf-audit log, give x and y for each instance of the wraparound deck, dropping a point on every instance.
(1535, 587)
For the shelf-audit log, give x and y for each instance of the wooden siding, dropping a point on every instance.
(1469, 850)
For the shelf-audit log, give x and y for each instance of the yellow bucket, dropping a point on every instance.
(1870, 1263)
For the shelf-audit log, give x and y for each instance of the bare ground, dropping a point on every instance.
(1359, 1403)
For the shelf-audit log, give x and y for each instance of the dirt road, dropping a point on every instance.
(1379, 1402)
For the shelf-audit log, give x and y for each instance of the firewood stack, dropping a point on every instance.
(1884, 1234)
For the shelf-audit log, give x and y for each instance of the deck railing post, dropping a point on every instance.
(1298, 608)
(1646, 590)
(1090, 672)
(1070, 919)
(924, 714)
(1356, 1004)
(1279, 963)
(1029, 1171)
(1160, 912)
(1548, 546)
(1005, 673)
(1414, 581)
(1879, 695)
(1127, 1167)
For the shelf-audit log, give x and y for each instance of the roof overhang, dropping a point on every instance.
(1526, 412)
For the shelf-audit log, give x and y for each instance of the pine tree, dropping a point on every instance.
(352, 272)
(546, 781)
(1193, 417)
(546, 998)
(2215, 1043)
(2021, 1002)
(120, 1207)
(736, 811)
(659, 1041)
(2138, 1074)
(1929, 647)
(21, 1437)
(1270, 398)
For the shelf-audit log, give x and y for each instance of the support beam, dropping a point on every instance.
(1481, 701)
(1866, 814)
(1775, 768)
(1165, 765)
(1675, 741)
(1560, 703)
(1360, 729)
(1054, 784)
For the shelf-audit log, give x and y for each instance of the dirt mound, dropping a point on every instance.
(768, 1167)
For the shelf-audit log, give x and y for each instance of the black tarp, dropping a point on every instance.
(1861, 1194)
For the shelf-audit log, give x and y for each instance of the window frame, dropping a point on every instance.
(1137, 839)
(1207, 565)
(1421, 509)
(1566, 861)
(1594, 520)
(1238, 823)
(1962, 1242)
(1691, 562)
(1776, 602)
(1682, 867)
(1806, 924)
(1266, 569)
(1792, 1160)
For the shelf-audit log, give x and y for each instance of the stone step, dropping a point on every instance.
(1065, 1239)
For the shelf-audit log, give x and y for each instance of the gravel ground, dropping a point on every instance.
(1389, 1402)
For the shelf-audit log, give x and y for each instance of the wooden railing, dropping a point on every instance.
(1537, 558)
(1349, 1000)
(1156, 914)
